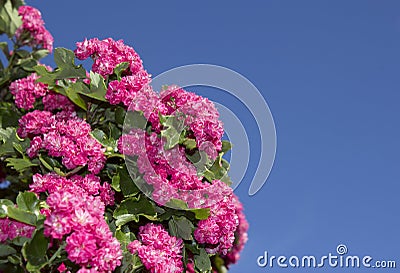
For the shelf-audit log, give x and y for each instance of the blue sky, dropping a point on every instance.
(329, 71)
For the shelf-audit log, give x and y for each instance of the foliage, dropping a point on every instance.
(72, 165)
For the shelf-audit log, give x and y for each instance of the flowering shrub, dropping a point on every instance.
(101, 173)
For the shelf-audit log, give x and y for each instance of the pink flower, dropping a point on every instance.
(54, 101)
(201, 117)
(27, 90)
(11, 229)
(158, 251)
(62, 268)
(34, 123)
(218, 230)
(65, 136)
(35, 146)
(76, 214)
(81, 247)
(33, 24)
(240, 234)
(107, 54)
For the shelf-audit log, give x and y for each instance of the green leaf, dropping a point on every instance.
(124, 238)
(8, 116)
(35, 250)
(20, 241)
(200, 160)
(219, 170)
(27, 64)
(131, 208)
(97, 88)
(135, 119)
(21, 215)
(177, 204)
(189, 143)
(9, 19)
(126, 218)
(46, 76)
(20, 164)
(100, 136)
(202, 261)
(127, 185)
(201, 214)
(28, 201)
(14, 259)
(63, 57)
(6, 250)
(120, 115)
(181, 227)
(226, 146)
(4, 204)
(22, 53)
(73, 95)
(120, 68)
(115, 183)
(173, 127)
(8, 137)
(5, 134)
(39, 54)
(65, 60)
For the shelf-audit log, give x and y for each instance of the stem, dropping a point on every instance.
(56, 254)
(74, 171)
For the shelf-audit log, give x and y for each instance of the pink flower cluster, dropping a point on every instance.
(76, 214)
(133, 89)
(90, 185)
(107, 54)
(168, 171)
(201, 117)
(11, 229)
(62, 135)
(158, 251)
(218, 230)
(27, 90)
(32, 23)
(240, 235)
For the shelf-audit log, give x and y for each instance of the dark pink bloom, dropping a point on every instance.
(158, 251)
(11, 229)
(32, 23)
(81, 247)
(107, 54)
(76, 214)
(65, 136)
(201, 117)
(218, 230)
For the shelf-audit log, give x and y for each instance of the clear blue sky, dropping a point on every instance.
(330, 72)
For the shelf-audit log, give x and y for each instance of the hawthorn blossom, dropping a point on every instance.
(170, 173)
(241, 236)
(62, 135)
(218, 230)
(201, 117)
(158, 251)
(107, 54)
(33, 24)
(75, 214)
(27, 90)
(11, 229)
